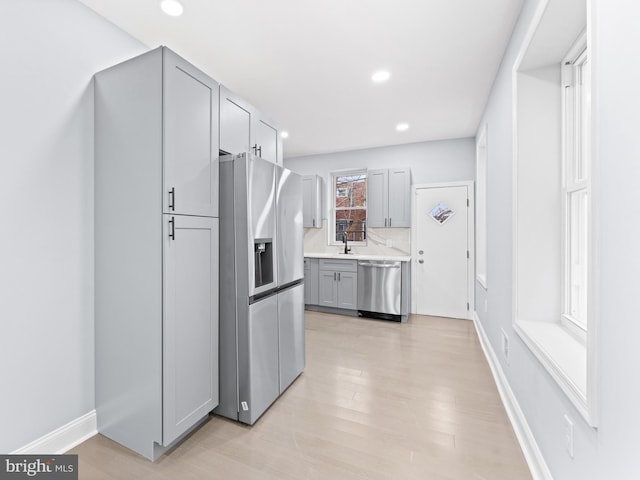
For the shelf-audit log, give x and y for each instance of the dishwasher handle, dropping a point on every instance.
(379, 265)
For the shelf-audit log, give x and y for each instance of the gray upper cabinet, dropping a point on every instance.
(312, 201)
(190, 139)
(243, 128)
(399, 197)
(235, 123)
(377, 198)
(389, 197)
(156, 250)
(266, 140)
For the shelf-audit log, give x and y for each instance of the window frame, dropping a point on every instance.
(332, 194)
(576, 178)
(571, 360)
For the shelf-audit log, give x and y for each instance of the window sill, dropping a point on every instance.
(564, 357)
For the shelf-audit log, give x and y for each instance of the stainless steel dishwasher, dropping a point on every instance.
(379, 289)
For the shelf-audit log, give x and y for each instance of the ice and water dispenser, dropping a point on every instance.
(263, 258)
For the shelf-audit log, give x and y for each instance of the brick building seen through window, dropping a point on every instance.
(350, 206)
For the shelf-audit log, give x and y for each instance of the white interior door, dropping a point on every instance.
(441, 251)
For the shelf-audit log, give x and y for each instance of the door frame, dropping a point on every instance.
(470, 240)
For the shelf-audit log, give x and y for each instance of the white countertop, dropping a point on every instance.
(359, 256)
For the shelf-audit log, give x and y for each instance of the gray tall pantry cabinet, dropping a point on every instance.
(156, 258)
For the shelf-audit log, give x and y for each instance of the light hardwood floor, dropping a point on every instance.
(378, 400)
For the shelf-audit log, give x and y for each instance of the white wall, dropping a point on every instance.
(430, 162)
(50, 51)
(611, 450)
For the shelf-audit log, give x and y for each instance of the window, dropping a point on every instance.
(349, 206)
(576, 111)
(552, 242)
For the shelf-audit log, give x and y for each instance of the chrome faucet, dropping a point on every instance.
(344, 239)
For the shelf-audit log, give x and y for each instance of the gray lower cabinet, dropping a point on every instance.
(190, 333)
(338, 284)
(311, 271)
(156, 250)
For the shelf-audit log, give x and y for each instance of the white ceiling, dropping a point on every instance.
(307, 64)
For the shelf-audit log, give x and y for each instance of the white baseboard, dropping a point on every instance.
(64, 438)
(532, 453)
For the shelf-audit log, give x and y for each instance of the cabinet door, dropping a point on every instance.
(190, 139)
(312, 201)
(307, 286)
(347, 290)
(190, 322)
(266, 138)
(314, 289)
(377, 198)
(327, 289)
(399, 197)
(308, 200)
(235, 123)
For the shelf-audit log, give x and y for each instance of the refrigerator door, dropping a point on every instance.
(290, 239)
(261, 222)
(291, 334)
(258, 359)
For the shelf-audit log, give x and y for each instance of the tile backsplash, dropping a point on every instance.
(380, 241)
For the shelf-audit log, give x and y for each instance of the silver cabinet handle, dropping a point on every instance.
(172, 228)
(338, 276)
(389, 221)
(420, 261)
(385, 222)
(334, 276)
(375, 265)
(172, 199)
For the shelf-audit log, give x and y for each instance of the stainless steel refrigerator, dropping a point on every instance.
(261, 285)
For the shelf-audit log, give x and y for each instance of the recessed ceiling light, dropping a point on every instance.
(381, 76)
(401, 127)
(284, 134)
(172, 7)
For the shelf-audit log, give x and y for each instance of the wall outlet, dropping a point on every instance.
(505, 346)
(568, 436)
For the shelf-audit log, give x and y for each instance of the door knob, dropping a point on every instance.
(420, 261)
